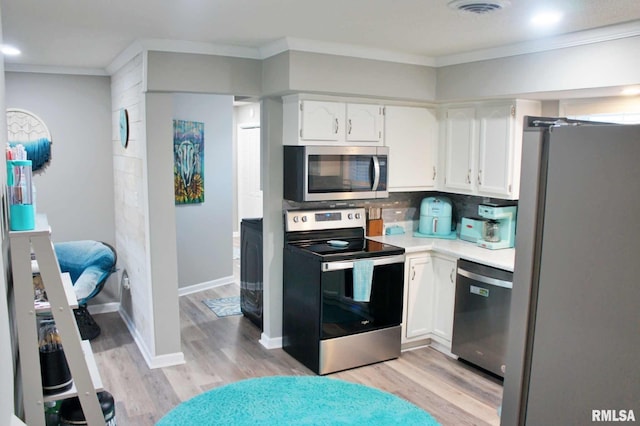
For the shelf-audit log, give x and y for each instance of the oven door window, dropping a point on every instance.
(341, 315)
(340, 173)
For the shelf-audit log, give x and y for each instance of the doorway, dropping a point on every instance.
(248, 188)
(248, 172)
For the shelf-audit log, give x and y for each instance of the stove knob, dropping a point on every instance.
(295, 219)
(350, 216)
(304, 218)
(357, 215)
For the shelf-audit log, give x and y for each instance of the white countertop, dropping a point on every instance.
(502, 259)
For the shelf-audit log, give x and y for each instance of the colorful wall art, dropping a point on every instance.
(188, 168)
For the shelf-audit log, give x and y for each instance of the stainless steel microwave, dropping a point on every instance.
(321, 173)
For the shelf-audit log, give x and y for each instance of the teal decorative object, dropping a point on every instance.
(124, 127)
(27, 129)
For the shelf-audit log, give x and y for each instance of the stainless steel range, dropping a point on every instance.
(342, 301)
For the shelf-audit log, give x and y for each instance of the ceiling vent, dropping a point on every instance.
(478, 7)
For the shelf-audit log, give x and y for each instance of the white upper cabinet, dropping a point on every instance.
(321, 121)
(459, 148)
(329, 122)
(411, 133)
(482, 146)
(364, 123)
(495, 149)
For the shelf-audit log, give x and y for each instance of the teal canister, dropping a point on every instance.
(21, 208)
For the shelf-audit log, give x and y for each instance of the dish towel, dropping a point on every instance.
(362, 275)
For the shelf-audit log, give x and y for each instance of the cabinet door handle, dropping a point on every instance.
(349, 130)
(335, 128)
(469, 176)
(434, 173)
(451, 276)
(480, 177)
(413, 275)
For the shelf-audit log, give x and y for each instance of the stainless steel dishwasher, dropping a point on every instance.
(481, 315)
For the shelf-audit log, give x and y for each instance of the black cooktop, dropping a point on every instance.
(358, 248)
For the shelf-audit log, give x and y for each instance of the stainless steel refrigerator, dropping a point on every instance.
(573, 351)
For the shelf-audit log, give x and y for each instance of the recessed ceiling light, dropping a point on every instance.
(9, 50)
(631, 91)
(545, 19)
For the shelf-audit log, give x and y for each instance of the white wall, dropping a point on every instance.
(75, 190)
(273, 225)
(146, 246)
(162, 260)
(204, 230)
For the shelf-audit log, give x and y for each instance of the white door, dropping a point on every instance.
(249, 192)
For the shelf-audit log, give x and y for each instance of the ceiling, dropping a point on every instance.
(85, 34)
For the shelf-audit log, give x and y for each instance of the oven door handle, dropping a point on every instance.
(484, 279)
(377, 261)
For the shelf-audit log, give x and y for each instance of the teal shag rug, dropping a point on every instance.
(296, 400)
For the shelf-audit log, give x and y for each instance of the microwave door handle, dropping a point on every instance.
(376, 173)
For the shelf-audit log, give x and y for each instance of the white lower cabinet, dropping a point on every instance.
(419, 297)
(444, 298)
(429, 298)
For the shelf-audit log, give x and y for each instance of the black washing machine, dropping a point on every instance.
(251, 283)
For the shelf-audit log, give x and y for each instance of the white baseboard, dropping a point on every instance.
(167, 360)
(440, 347)
(270, 342)
(195, 288)
(151, 360)
(104, 308)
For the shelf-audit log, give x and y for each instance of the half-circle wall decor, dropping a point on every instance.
(26, 128)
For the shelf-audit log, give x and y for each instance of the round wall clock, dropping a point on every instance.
(124, 127)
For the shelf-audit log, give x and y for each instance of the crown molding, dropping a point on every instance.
(596, 35)
(46, 69)
(341, 49)
(181, 46)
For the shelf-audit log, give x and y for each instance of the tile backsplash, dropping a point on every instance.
(402, 209)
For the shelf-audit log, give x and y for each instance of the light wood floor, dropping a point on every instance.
(223, 350)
